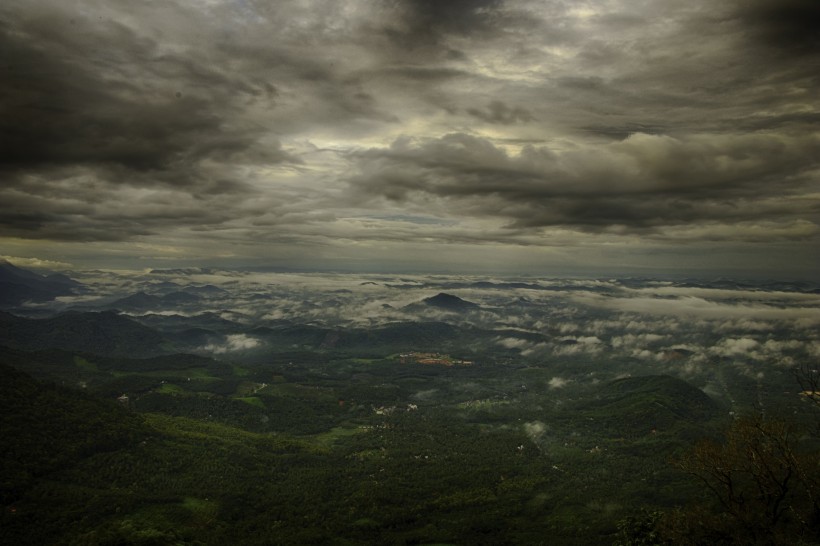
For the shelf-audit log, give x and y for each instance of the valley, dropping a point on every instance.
(324, 410)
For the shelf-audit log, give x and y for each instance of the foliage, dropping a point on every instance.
(47, 427)
(334, 449)
(766, 487)
(105, 333)
(641, 530)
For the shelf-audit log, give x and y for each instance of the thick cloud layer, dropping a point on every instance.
(379, 134)
(642, 183)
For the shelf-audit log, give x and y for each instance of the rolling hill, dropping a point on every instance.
(105, 334)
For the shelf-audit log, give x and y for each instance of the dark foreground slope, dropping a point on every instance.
(47, 429)
(79, 470)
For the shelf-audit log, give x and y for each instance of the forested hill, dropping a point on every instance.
(48, 428)
(105, 334)
(635, 406)
(19, 285)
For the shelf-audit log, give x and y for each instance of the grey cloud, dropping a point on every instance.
(266, 123)
(702, 308)
(77, 205)
(431, 34)
(623, 131)
(457, 15)
(91, 106)
(642, 182)
(666, 65)
(789, 26)
(426, 22)
(498, 112)
(99, 93)
(423, 74)
(789, 123)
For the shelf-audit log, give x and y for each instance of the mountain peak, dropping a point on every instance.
(19, 285)
(449, 302)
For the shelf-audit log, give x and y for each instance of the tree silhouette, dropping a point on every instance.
(764, 484)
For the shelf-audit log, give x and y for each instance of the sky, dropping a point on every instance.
(507, 136)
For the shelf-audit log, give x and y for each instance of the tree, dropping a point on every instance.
(808, 377)
(763, 484)
(767, 488)
(641, 530)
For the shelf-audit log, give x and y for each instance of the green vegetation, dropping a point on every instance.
(331, 437)
(760, 481)
(252, 400)
(334, 449)
(84, 364)
(170, 388)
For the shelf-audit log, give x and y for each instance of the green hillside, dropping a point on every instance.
(635, 406)
(47, 428)
(105, 333)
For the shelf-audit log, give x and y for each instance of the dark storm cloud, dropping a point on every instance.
(742, 154)
(621, 132)
(74, 205)
(640, 184)
(254, 125)
(498, 112)
(420, 32)
(666, 65)
(90, 108)
(422, 74)
(428, 18)
(96, 93)
(789, 26)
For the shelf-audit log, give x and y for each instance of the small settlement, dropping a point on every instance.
(432, 359)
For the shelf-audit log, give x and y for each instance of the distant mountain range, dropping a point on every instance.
(149, 302)
(18, 285)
